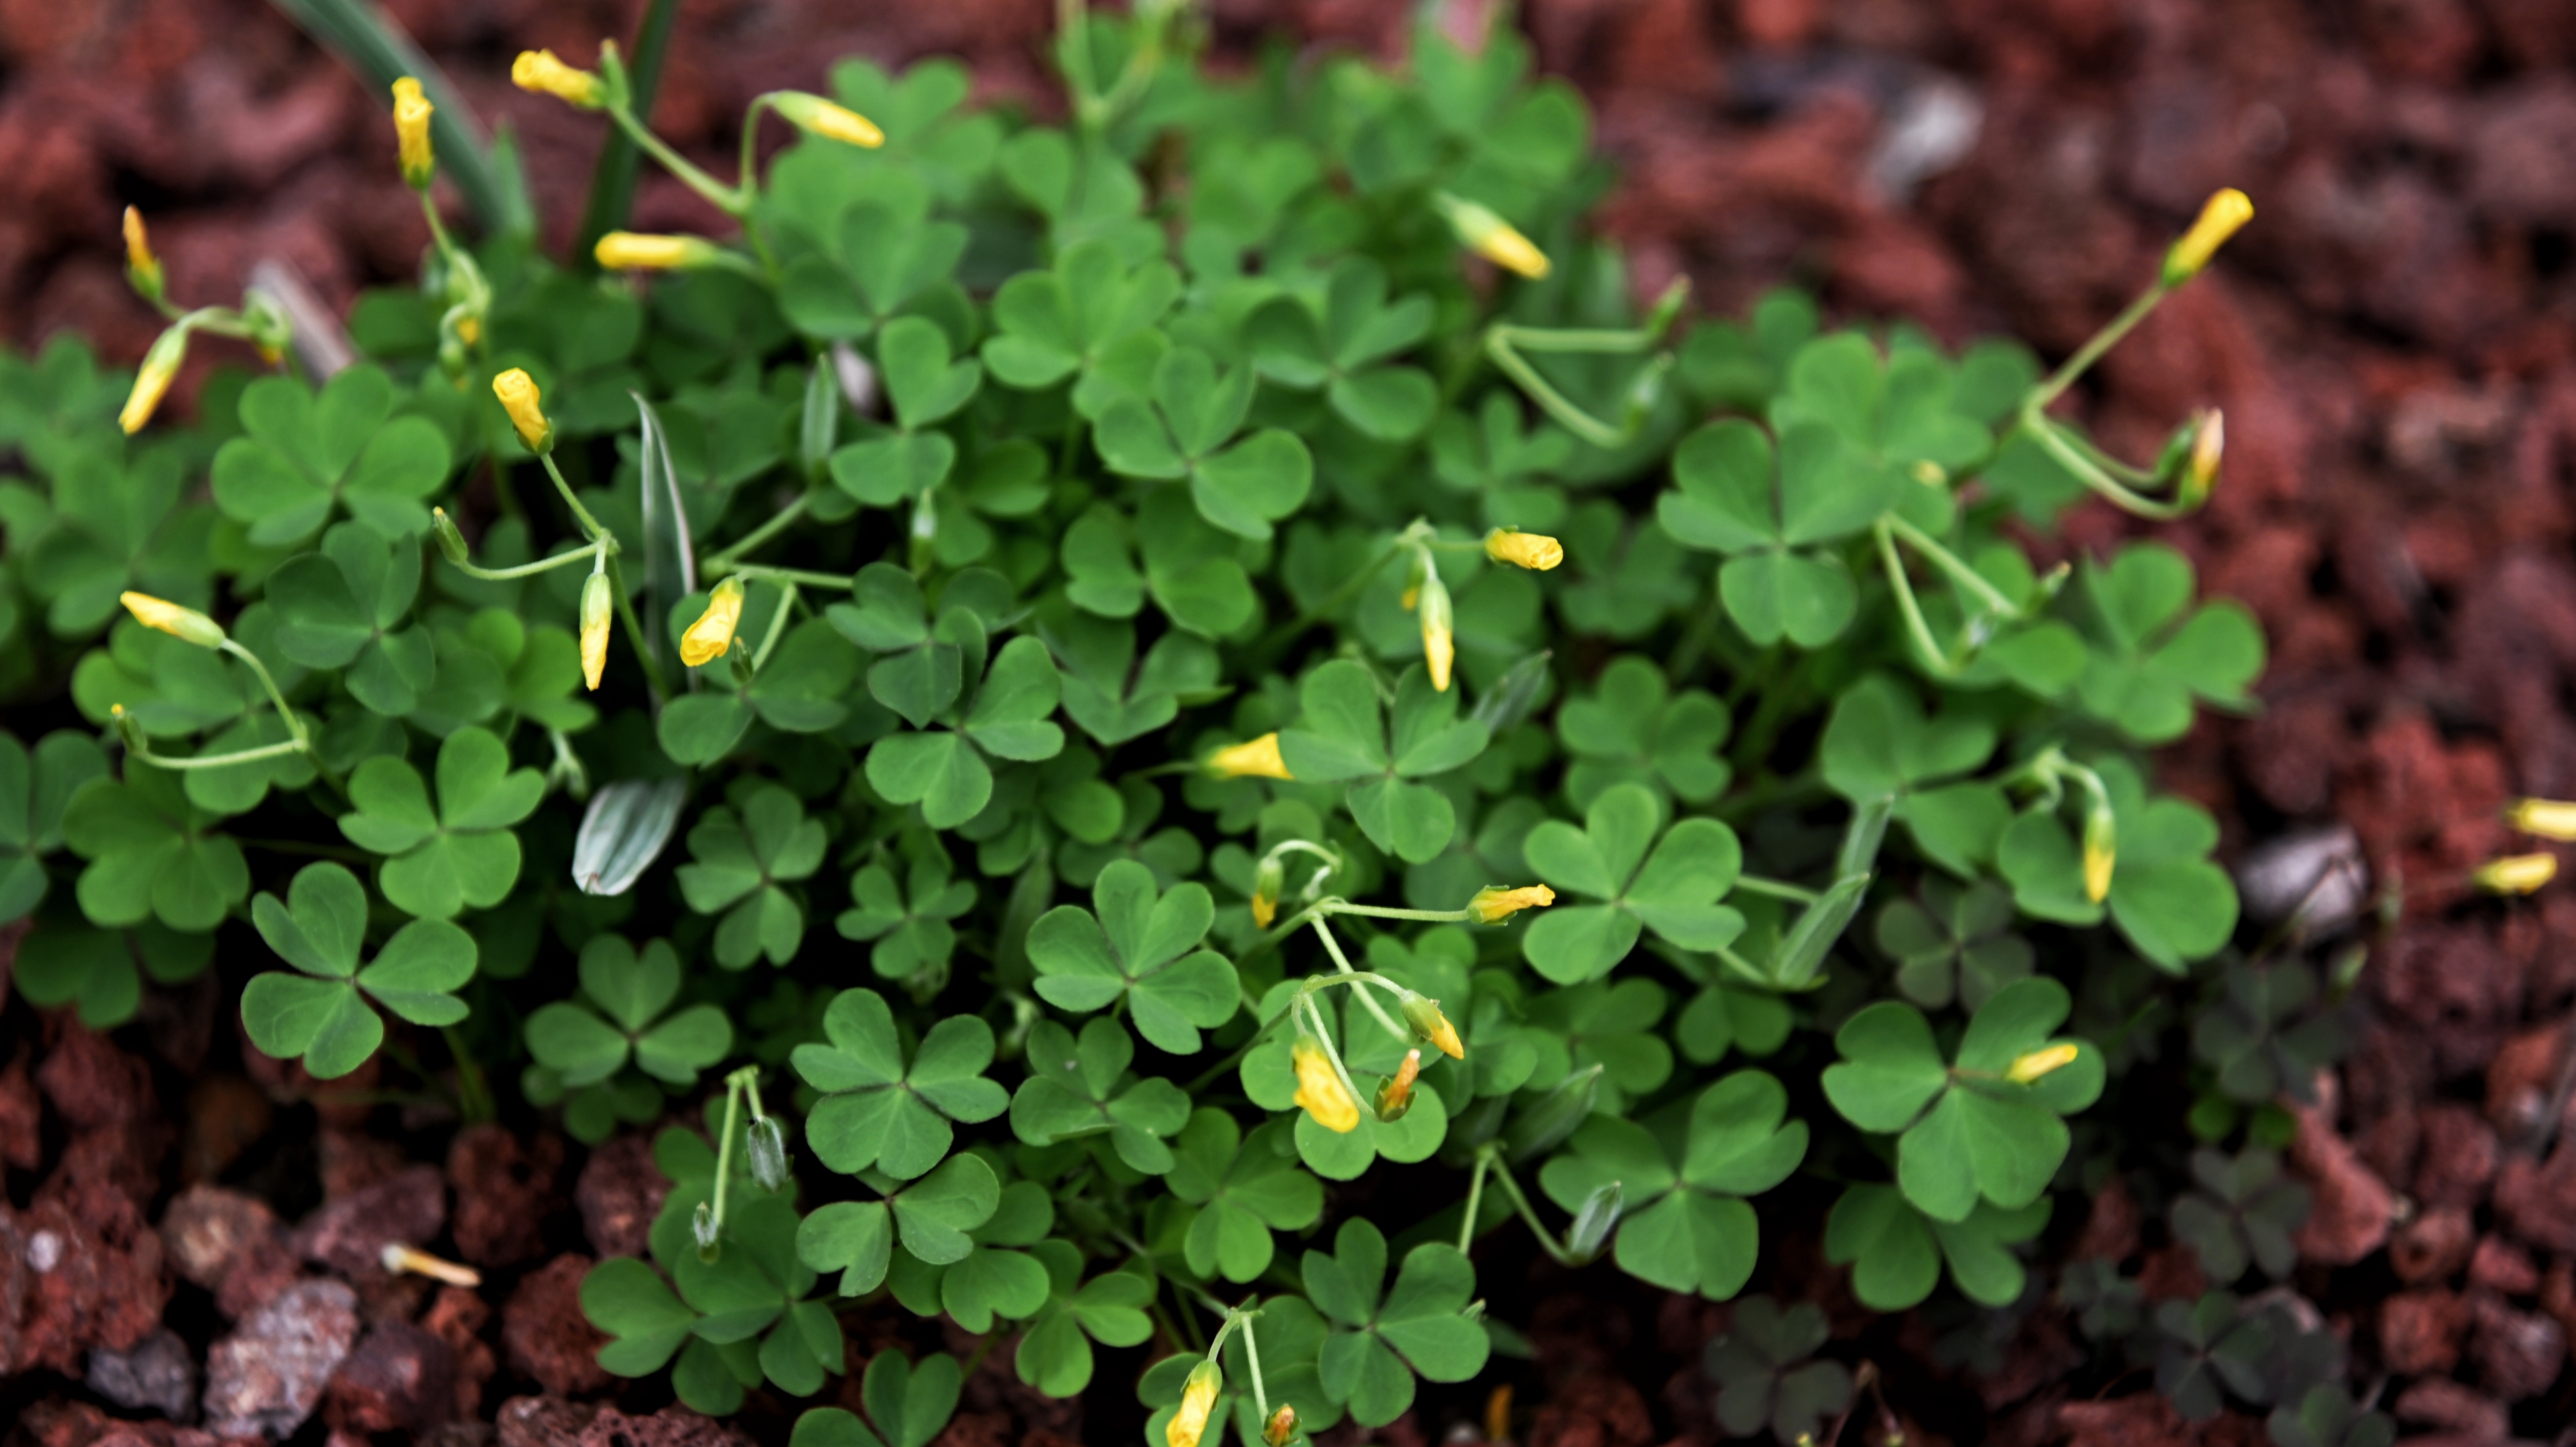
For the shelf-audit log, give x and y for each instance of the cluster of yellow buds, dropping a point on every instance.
(1493, 904)
(1198, 1399)
(1491, 237)
(2046, 1060)
(709, 637)
(540, 71)
(2221, 217)
(412, 112)
(1252, 759)
(1319, 1087)
(1535, 551)
(186, 624)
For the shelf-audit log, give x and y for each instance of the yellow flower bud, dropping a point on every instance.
(2548, 818)
(709, 637)
(1423, 1014)
(1281, 1426)
(170, 618)
(1320, 1090)
(823, 118)
(1396, 1096)
(540, 71)
(633, 251)
(2029, 1067)
(2099, 853)
(1266, 884)
(1251, 759)
(469, 330)
(1198, 1399)
(142, 268)
(152, 381)
(412, 111)
(2200, 474)
(595, 606)
(1494, 904)
(2516, 873)
(518, 393)
(1439, 641)
(1491, 237)
(1535, 551)
(2220, 218)
(451, 543)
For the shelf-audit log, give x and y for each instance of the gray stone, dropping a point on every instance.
(266, 1378)
(156, 1372)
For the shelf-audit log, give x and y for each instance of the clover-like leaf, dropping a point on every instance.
(1141, 944)
(1685, 1224)
(1244, 1187)
(1054, 1354)
(943, 769)
(628, 1016)
(740, 864)
(1766, 1376)
(1083, 1088)
(2150, 662)
(2242, 1214)
(880, 1109)
(1896, 1251)
(2168, 898)
(931, 1216)
(910, 923)
(36, 786)
(461, 852)
(1673, 890)
(1342, 345)
(1343, 735)
(1633, 729)
(1187, 433)
(1955, 944)
(1966, 1130)
(152, 853)
(303, 455)
(1769, 510)
(1386, 1336)
(322, 1014)
(1091, 319)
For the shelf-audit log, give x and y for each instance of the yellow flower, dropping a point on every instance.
(412, 111)
(1423, 1014)
(1492, 238)
(2548, 818)
(170, 618)
(2099, 852)
(152, 381)
(2030, 1067)
(518, 393)
(1281, 1426)
(2516, 873)
(1251, 759)
(1439, 642)
(540, 71)
(2220, 218)
(595, 605)
(2201, 473)
(1396, 1096)
(1320, 1090)
(1493, 904)
(1535, 551)
(832, 122)
(709, 637)
(1198, 1398)
(634, 251)
(141, 267)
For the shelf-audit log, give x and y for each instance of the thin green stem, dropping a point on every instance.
(217, 761)
(1968, 578)
(1574, 339)
(572, 500)
(731, 200)
(1252, 1356)
(529, 570)
(1475, 1199)
(1332, 1053)
(1380, 911)
(294, 725)
(1546, 1238)
(777, 625)
(777, 523)
(1366, 999)
(1776, 888)
(2052, 439)
(749, 572)
(1934, 657)
(2091, 352)
(1556, 404)
(635, 633)
(724, 1166)
(1287, 632)
(750, 140)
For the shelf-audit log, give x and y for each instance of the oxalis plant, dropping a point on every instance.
(1076, 686)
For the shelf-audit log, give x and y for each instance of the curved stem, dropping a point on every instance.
(777, 625)
(1968, 578)
(732, 201)
(777, 523)
(294, 725)
(217, 761)
(1366, 999)
(2091, 352)
(527, 570)
(635, 633)
(1934, 657)
(1546, 1238)
(1475, 1199)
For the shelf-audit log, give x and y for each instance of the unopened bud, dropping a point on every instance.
(1198, 1399)
(2100, 834)
(1281, 1426)
(1439, 638)
(2220, 218)
(1252, 759)
(766, 1143)
(635, 251)
(2034, 1064)
(1491, 237)
(709, 637)
(1433, 1028)
(540, 71)
(2200, 473)
(1592, 1223)
(152, 380)
(2515, 874)
(521, 399)
(1396, 1096)
(595, 605)
(142, 268)
(1493, 904)
(703, 1227)
(129, 731)
(186, 624)
(832, 122)
(412, 112)
(1266, 884)
(1319, 1087)
(451, 543)
(2548, 818)
(1535, 551)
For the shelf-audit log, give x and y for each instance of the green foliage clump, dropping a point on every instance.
(1132, 580)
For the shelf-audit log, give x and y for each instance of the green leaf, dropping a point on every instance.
(648, 1324)
(877, 1110)
(461, 853)
(152, 853)
(1685, 1224)
(1383, 1342)
(1141, 944)
(1674, 891)
(1243, 1189)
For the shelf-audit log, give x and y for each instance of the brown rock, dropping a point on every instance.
(2441, 1402)
(2518, 1353)
(2172, 1272)
(2111, 1226)
(2460, 1157)
(226, 1116)
(2145, 1419)
(2520, 1079)
(266, 1378)
(208, 1228)
(547, 1336)
(504, 1192)
(620, 1192)
(21, 1117)
(2500, 1266)
(2353, 1207)
(350, 1233)
(2536, 1200)
(71, 1280)
(2433, 1246)
(1596, 1410)
(552, 1422)
(458, 1318)
(399, 1377)
(2419, 1331)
